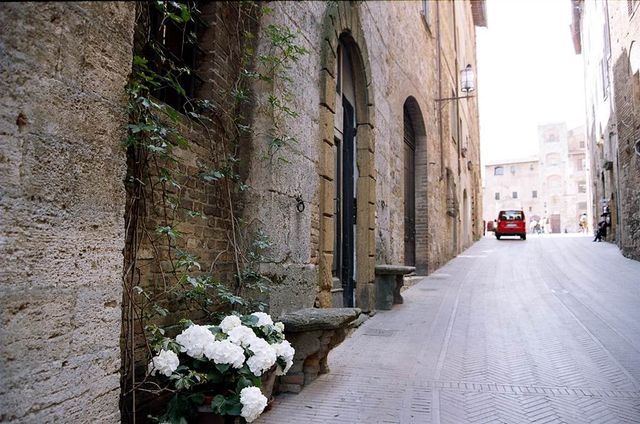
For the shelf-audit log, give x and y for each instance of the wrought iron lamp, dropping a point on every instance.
(467, 84)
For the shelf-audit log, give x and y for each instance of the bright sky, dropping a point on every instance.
(528, 74)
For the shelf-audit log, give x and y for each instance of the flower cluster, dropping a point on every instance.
(166, 362)
(227, 360)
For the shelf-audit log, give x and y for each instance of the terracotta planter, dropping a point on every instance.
(268, 381)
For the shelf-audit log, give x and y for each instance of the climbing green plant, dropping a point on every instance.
(162, 279)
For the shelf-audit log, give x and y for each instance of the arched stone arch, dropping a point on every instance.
(342, 27)
(412, 113)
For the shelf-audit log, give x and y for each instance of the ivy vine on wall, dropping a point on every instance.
(164, 282)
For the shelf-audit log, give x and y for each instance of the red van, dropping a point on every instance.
(511, 223)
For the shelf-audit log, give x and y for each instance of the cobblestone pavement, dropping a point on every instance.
(545, 330)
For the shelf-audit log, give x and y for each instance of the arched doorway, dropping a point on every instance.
(409, 147)
(416, 216)
(346, 166)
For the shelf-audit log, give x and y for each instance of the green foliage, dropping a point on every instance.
(155, 136)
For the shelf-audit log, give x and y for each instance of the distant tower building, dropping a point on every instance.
(551, 187)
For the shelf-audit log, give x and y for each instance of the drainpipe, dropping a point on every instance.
(439, 65)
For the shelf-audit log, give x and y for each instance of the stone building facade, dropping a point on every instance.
(607, 36)
(378, 89)
(551, 186)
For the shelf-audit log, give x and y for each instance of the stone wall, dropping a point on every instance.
(276, 181)
(304, 241)
(624, 24)
(63, 70)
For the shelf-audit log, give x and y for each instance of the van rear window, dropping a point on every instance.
(511, 216)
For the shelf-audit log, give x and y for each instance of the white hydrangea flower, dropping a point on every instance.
(194, 340)
(225, 352)
(166, 362)
(285, 351)
(241, 335)
(263, 358)
(263, 319)
(279, 326)
(253, 403)
(230, 322)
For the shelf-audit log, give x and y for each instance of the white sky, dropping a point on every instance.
(528, 74)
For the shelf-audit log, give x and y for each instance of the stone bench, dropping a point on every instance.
(313, 333)
(389, 282)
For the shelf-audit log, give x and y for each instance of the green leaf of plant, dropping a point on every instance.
(234, 408)
(223, 368)
(242, 383)
(197, 398)
(217, 404)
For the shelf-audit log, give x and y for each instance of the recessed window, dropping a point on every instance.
(498, 170)
(552, 159)
(534, 194)
(514, 195)
(582, 186)
(426, 13)
(513, 169)
(497, 196)
(551, 137)
(177, 41)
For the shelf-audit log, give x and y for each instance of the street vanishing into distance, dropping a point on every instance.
(545, 330)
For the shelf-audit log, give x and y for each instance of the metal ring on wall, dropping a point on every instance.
(300, 206)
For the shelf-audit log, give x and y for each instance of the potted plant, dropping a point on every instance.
(218, 370)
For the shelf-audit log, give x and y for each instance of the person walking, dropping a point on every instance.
(582, 223)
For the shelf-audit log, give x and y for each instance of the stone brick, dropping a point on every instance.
(327, 90)
(290, 388)
(327, 167)
(327, 188)
(290, 378)
(326, 120)
(328, 234)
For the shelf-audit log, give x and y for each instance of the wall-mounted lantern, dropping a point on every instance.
(467, 84)
(467, 80)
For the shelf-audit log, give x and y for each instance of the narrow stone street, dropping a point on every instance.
(545, 330)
